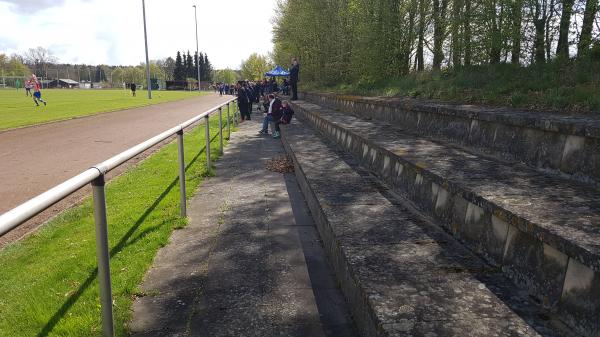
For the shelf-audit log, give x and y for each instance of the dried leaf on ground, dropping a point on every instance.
(281, 164)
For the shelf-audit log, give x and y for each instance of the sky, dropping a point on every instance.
(112, 32)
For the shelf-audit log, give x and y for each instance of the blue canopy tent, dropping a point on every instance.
(278, 71)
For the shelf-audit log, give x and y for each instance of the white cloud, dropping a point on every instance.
(111, 31)
(26, 7)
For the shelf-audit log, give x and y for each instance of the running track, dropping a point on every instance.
(34, 159)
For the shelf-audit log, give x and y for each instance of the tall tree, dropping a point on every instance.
(408, 39)
(202, 66)
(254, 67)
(421, 37)
(585, 38)
(225, 76)
(190, 72)
(467, 33)
(13, 66)
(208, 70)
(549, 28)
(196, 67)
(517, 22)
(168, 67)
(455, 31)
(495, 16)
(439, 31)
(179, 71)
(184, 69)
(540, 15)
(562, 49)
(39, 58)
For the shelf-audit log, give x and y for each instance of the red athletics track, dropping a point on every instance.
(34, 159)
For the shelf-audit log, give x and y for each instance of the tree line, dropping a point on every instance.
(255, 66)
(186, 67)
(367, 40)
(44, 64)
(252, 68)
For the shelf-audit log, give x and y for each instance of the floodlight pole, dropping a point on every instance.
(147, 60)
(197, 53)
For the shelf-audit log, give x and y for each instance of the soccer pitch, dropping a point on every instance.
(18, 110)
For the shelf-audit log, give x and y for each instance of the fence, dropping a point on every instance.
(95, 177)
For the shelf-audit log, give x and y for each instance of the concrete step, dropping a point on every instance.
(543, 231)
(401, 274)
(561, 143)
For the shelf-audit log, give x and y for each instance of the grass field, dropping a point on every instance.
(18, 110)
(48, 282)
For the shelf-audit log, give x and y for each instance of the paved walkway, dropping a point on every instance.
(250, 263)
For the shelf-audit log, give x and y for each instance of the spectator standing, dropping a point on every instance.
(133, 87)
(294, 78)
(250, 93)
(243, 102)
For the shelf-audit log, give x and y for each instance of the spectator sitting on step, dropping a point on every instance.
(274, 107)
(283, 116)
(276, 114)
(287, 113)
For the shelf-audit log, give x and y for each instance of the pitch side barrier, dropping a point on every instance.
(95, 176)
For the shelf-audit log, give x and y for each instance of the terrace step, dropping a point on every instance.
(402, 275)
(542, 230)
(568, 145)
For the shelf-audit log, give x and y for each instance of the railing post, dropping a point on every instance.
(235, 120)
(183, 202)
(228, 123)
(220, 131)
(103, 255)
(207, 147)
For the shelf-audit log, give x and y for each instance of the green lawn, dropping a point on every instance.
(48, 282)
(18, 110)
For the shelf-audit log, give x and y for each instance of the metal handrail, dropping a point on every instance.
(95, 176)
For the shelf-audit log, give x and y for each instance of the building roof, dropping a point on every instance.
(68, 80)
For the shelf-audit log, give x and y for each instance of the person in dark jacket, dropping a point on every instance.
(276, 114)
(256, 94)
(294, 78)
(286, 113)
(242, 101)
(250, 93)
(283, 116)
